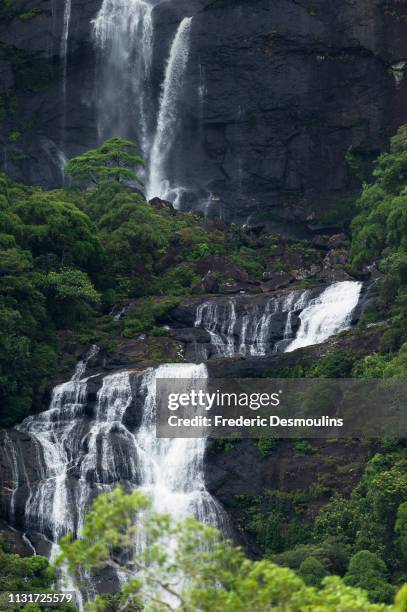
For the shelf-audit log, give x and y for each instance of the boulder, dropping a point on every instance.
(337, 240)
(224, 266)
(275, 280)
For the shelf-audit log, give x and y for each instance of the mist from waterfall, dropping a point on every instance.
(123, 35)
(168, 115)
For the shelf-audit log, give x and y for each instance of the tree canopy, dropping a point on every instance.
(190, 567)
(115, 160)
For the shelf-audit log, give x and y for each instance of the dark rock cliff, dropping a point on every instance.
(276, 93)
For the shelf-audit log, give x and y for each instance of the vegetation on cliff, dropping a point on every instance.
(67, 256)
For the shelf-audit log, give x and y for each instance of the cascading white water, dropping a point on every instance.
(78, 457)
(123, 35)
(171, 470)
(48, 504)
(219, 321)
(168, 116)
(64, 43)
(327, 315)
(248, 333)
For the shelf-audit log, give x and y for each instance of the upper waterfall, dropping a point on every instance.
(64, 43)
(158, 184)
(125, 97)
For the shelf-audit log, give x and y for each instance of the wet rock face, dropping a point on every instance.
(25, 467)
(276, 93)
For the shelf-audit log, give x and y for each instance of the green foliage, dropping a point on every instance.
(70, 292)
(267, 445)
(312, 571)
(113, 161)
(249, 260)
(71, 285)
(30, 14)
(332, 553)
(367, 571)
(275, 520)
(382, 366)
(400, 529)
(47, 249)
(303, 447)
(146, 314)
(24, 573)
(8, 11)
(216, 576)
(368, 520)
(27, 574)
(337, 364)
(379, 231)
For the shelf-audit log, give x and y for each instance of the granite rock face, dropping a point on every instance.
(276, 92)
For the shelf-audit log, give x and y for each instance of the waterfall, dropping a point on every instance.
(171, 470)
(168, 115)
(123, 35)
(11, 455)
(64, 43)
(83, 450)
(219, 321)
(256, 330)
(62, 160)
(327, 315)
(248, 326)
(54, 432)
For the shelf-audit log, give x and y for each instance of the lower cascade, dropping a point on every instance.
(101, 430)
(78, 457)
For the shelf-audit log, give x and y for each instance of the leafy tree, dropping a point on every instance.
(367, 571)
(379, 231)
(367, 520)
(70, 293)
(27, 574)
(71, 285)
(189, 567)
(332, 553)
(114, 160)
(400, 529)
(337, 364)
(57, 232)
(312, 571)
(24, 573)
